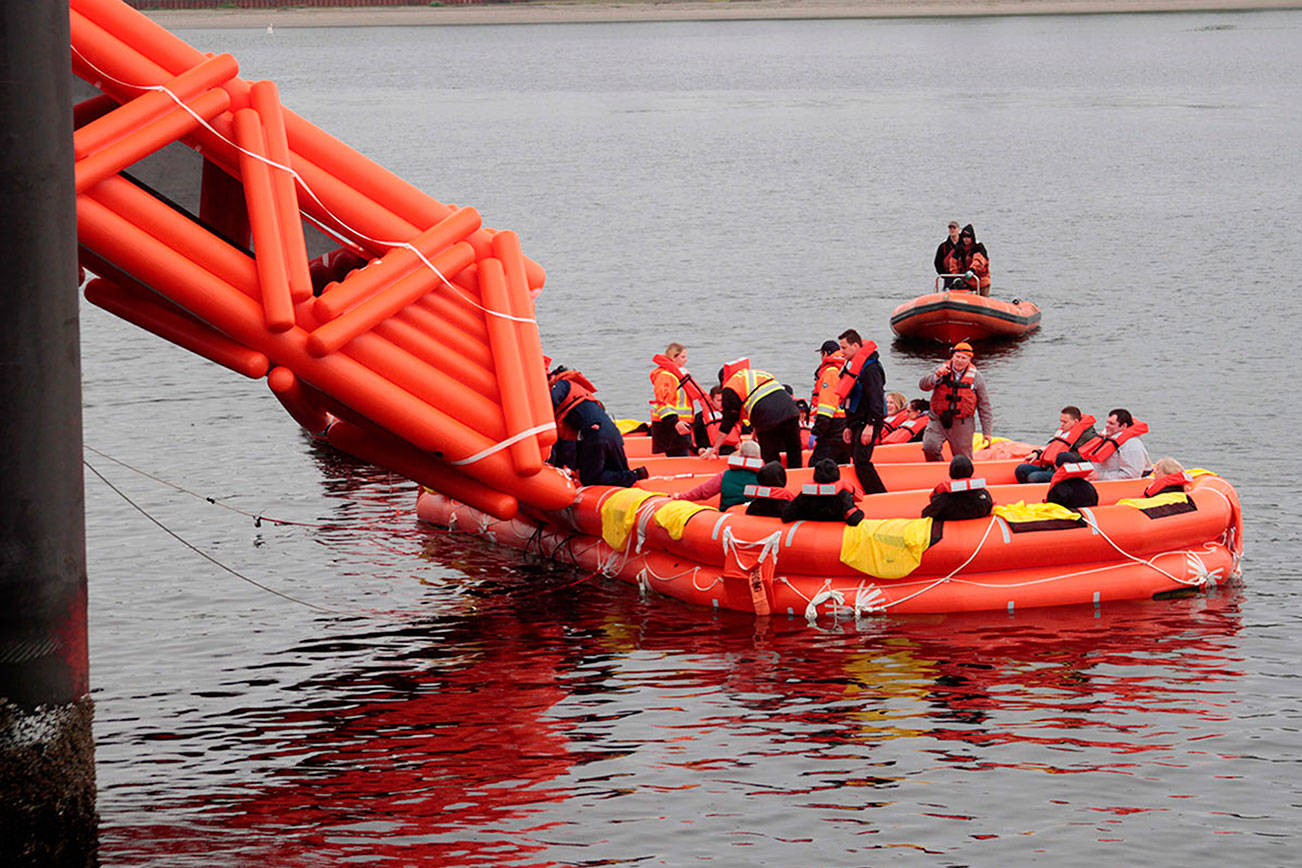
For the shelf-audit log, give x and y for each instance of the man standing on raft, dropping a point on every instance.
(958, 393)
(861, 389)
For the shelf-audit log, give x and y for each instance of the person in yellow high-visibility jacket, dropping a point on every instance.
(671, 408)
(757, 396)
(829, 416)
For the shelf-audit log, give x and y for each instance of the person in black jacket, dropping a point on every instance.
(824, 499)
(961, 496)
(599, 451)
(945, 256)
(865, 405)
(1070, 487)
(770, 495)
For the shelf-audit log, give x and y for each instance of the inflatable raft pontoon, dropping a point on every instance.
(950, 316)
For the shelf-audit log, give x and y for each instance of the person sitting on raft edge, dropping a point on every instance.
(961, 496)
(1070, 486)
(730, 483)
(769, 495)
(825, 499)
(1074, 431)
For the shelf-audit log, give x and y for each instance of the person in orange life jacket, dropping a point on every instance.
(1168, 476)
(825, 499)
(1070, 485)
(671, 408)
(958, 395)
(599, 449)
(806, 432)
(961, 497)
(701, 431)
(1073, 432)
(896, 412)
(861, 388)
(913, 426)
(829, 418)
(946, 256)
(730, 483)
(1130, 459)
(769, 495)
(756, 396)
(972, 261)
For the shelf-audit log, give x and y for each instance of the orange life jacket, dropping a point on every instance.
(826, 401)
(1071, 470)
(750, 385)
(1181, 479)
(953, 485)
(1102, 446)
(906, 430)
(850, 373)
(893, 421)
(581, 389)
(767, 491)
(668, 377)
(1061, 441)
(956, 395)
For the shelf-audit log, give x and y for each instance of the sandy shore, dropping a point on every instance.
(584, 11)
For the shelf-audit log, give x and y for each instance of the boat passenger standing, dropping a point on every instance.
(958, 394)
(829, 417)
(600, 447)
(946, 258)
(973, 261)
(671, 408)
(757, 397)
(961, 496)
(860, 388)
(1119, 453)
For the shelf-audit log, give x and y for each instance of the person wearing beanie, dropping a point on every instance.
(825, 499)
(1070, 485)
(958, 395)
(961, 496)
(769, 495)
(829, 416)
(972, 261)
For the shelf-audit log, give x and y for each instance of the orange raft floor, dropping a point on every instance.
(751, 563)
(957, 316)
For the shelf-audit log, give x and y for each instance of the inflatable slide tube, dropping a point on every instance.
(264, 222)
(264, 97)
(511, 379)
(285, 386)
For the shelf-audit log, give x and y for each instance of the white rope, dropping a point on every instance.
(498, 447)
(827, 592)
(1196, 582)
(406, 245)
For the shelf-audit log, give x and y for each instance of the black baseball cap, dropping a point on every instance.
(829, 347)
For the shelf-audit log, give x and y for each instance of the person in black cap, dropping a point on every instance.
(829, 417)
(946, 258)
(960, 496)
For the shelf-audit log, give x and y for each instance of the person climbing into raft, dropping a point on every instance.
(961, 496)
(701, 427)
(958, 395)
(946, 256)
(755, 396)
(972, 261)
(824, 499)
(1070, 486)
(730, 483)
(829, 416)
(671, 406)
(861, 390)
(599, 448)
(1074, 431)
(1119, 453)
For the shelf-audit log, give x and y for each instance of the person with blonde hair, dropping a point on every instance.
(1168, 476)
(671, 407)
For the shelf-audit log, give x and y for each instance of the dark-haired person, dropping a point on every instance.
(1070, 485)
(824, 499)
(946, 256)
(599, 447)
(829, 416)
(1119, 453)
(861, 390)
(958, 395)
(973, 262)
(769, 495)
(960, 496)
(1074, 431)
(914, 425)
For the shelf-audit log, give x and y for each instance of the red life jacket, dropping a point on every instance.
(692, 389)
(1181, 479)
(1102, 446)
(957, 395)
(891, 422)
(850, 373)
(1061, 441)
(581, 389)
(767, 491)
(1071, 470)
(906, 430)
(953, 485)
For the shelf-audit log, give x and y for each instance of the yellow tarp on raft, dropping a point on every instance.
(1158, 500)
(627, 425)
(1017, 513)
(619, 513)
(888, 548)
(673, 516)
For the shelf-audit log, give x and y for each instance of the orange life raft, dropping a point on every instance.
(956, 315)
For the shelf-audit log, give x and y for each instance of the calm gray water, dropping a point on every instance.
(748, 189)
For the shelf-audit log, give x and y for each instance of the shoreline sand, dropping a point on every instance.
(596, 11)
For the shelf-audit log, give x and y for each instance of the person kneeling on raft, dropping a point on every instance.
(599, 447)
(1070, 485)
(769, 495)
(960, 496)
(731, 483)
(825, 499)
